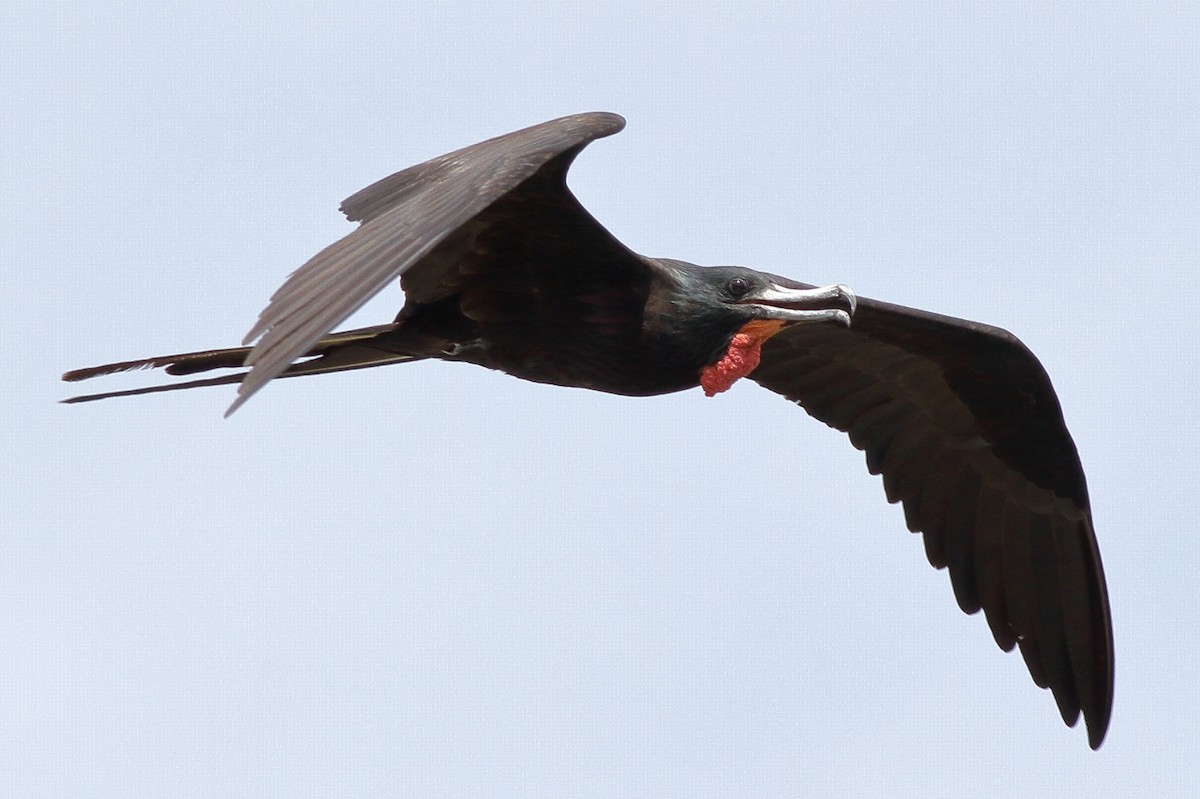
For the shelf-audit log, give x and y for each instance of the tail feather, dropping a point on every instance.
(337, 352)
(183, 363)
(211, 381)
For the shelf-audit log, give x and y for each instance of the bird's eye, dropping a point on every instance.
(738, 286)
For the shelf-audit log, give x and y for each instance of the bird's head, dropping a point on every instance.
(741, 308)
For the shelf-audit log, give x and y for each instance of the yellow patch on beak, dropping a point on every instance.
(762, 329)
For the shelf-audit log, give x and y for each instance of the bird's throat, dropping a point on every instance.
(740, 358)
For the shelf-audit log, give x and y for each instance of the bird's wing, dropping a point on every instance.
(964, 426)
(404, 217)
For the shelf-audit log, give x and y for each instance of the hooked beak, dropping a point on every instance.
(788, 305)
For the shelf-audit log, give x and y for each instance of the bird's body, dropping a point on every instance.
(502, 268)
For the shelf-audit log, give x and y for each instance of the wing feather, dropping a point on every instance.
(962, 422)
(404, 217)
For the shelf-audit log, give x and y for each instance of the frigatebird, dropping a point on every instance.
(502, 267)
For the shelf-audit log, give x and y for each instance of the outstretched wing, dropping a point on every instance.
(404, 217)
(964, 426)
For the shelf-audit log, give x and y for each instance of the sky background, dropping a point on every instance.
(433, 580)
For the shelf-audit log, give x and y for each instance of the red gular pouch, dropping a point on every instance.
(741, 358)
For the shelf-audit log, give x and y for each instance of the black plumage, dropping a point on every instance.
(502, 267)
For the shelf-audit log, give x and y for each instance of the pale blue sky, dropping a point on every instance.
(434, 580)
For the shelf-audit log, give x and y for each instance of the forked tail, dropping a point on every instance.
(337, 352)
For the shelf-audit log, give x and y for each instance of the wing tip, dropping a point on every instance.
(237, 403)
(604, 123)
(1097, 717)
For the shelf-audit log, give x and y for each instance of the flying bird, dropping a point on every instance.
(502, 267)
